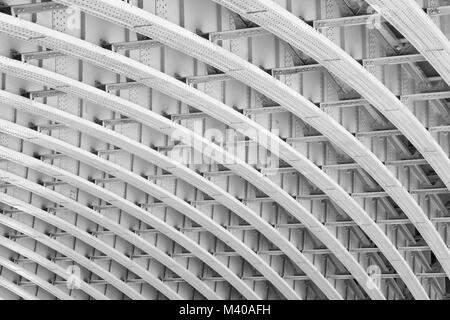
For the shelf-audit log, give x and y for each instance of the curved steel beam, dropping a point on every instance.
(108, 224)
(49, 265)
(143, 77)
(412, 21)
(128, 207)
(317, 176)
(244, 170)
(59, 247)
(17, 290)
(21, 271)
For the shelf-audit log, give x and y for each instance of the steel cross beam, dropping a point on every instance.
(290, 154)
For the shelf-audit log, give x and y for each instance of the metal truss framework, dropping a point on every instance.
(54, 144)
(124, 205)
(419, 28)
(286, 26)
(167, 34)
(380, 239)
(180, 47)
(31, 276)
(63, 249)
(290, 154)
(327, 184)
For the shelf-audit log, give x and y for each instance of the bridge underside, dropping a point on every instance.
(135, 211)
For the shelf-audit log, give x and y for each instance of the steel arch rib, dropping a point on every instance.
(17, 290)
(119, 230)
(49, 265)
(44, 285)
(354, 210)
(417, 27)
(59, 247)
(418, 290)
(121, 203)
(238, 166)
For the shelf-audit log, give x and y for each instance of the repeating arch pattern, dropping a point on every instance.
(287, 153)
(331, 239)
